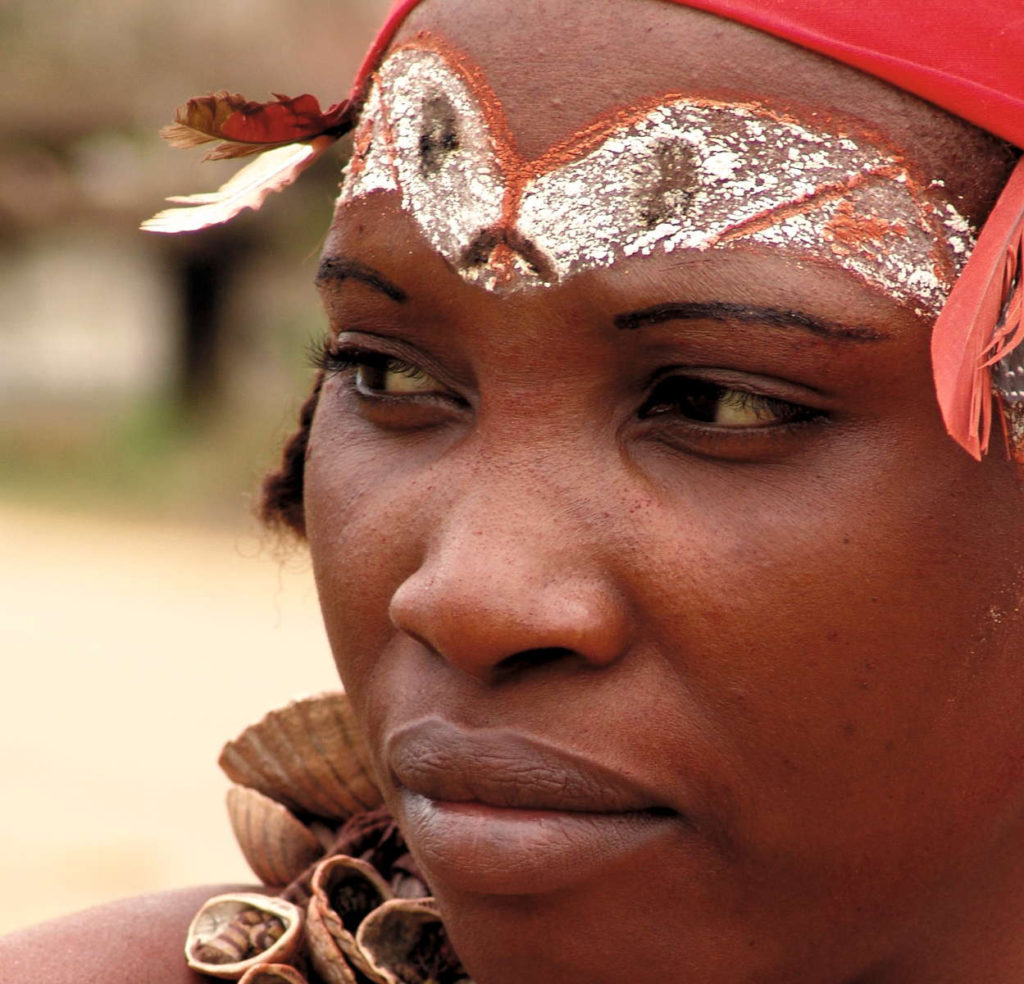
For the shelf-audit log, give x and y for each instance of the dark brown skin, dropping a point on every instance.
(806, 638)
(134, 941)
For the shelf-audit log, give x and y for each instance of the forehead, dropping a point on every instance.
(672, 171)
(557, 64)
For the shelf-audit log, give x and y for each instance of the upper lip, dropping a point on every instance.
(502, 768)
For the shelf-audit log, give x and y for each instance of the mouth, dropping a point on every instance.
(495, 811)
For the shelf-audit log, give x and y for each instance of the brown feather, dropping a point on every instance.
(201, 119)
(245, 128)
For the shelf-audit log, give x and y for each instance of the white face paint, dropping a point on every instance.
(683, 174)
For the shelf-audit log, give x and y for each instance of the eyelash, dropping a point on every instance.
(335, 361)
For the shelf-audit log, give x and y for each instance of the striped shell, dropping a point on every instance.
(331, 965)
(232, 933)
(277, 846)
(405, 942)
(307, 755)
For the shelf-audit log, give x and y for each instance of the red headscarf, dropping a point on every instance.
(963, 56)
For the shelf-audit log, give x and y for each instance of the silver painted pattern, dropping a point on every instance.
(686, 175)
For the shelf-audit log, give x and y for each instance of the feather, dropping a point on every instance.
(271, 171)
(981, 322)
(246, 127)
(201, 120)
(284, 121)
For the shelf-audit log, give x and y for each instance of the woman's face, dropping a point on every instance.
(687, 643)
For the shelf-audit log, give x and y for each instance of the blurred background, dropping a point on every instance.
(146, 383)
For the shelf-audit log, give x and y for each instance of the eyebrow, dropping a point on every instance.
(334, 269)
(724, 311)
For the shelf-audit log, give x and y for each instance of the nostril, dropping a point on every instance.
(492, 618)
(531, 658)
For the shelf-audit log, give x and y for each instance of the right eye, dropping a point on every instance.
(375, 374)
(388, 376)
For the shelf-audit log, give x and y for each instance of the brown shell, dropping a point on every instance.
(405, 942)
(345, 890)
(276, 844)
(272, 974)
(330, 963)
(220, 916)
(307, 755)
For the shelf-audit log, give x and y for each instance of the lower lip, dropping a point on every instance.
(473, 847)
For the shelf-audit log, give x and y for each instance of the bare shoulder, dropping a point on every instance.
(126, 942)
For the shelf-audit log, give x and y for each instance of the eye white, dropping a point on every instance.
(738, 410)
(391, 380)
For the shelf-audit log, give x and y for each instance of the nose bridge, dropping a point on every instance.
(517, 481)
(511, 565)
(524, 470)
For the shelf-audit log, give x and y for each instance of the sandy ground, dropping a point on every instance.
(129, 654)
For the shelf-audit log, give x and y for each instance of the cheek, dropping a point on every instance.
(829, 646)
(363, 526)
(845, 639)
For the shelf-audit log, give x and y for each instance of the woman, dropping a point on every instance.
(686, 641)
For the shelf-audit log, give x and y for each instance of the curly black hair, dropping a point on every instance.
(280, 503)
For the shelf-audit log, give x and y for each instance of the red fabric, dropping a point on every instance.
(981, 322)
(963, 55)
(396, 14)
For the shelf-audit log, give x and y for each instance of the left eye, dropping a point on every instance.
(389, 376)
(714, 404)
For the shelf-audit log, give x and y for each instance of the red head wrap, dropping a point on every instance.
(964, 57)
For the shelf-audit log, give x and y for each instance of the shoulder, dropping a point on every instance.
(139, 939)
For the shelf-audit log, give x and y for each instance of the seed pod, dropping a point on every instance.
(345, 890)
(234, 932)
(308, 755)
(405, 942)
(276, 844)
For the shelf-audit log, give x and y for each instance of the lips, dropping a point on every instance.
(501, 768)
(496, 811)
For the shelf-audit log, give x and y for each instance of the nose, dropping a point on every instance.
(505, 585)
